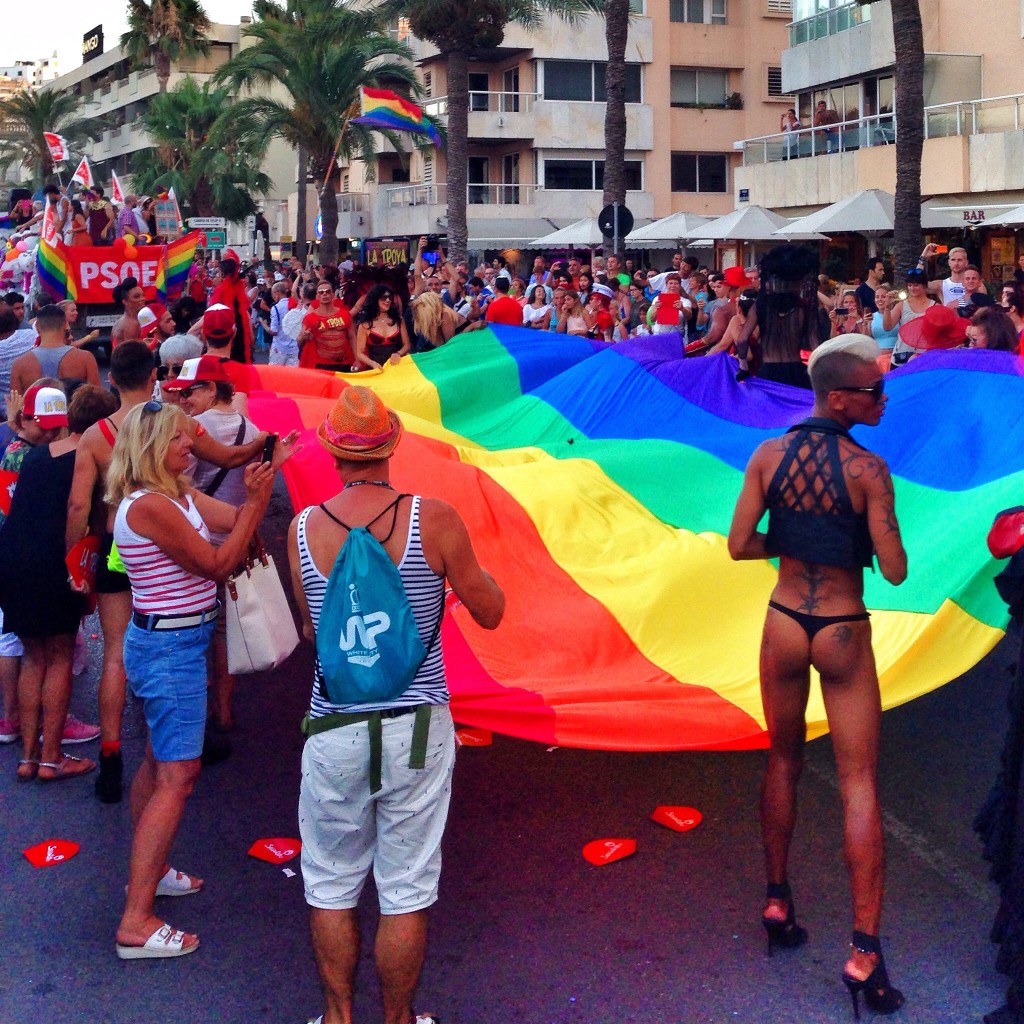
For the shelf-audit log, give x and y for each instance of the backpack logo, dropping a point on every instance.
(359, 641)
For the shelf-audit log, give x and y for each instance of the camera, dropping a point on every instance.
(433, 241)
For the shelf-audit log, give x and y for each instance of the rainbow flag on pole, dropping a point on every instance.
(383, 109)
(174, 267)
(54, 271)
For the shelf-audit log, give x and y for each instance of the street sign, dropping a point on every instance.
(744, 195)
(615, 222)
(207, 222)
(213, 239)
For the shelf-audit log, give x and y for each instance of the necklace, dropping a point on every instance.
(371, 483)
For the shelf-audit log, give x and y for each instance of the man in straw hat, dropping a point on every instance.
(376, 777)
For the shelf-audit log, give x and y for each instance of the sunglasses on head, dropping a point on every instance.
(153, 406)
(876, 390)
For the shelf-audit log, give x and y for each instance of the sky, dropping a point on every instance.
(67, 21)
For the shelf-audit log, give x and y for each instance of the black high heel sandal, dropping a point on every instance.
(879, 993)
(786, 934)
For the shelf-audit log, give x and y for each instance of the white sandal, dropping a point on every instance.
(163, 943)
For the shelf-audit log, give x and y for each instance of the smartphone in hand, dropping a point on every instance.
(268, 448)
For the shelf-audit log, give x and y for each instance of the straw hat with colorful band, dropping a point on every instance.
(939, 327)
(360, 427)
(198, 371)
(46, 405)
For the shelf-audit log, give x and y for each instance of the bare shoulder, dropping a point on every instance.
(436, 514)
(861, 464)
(768, 453)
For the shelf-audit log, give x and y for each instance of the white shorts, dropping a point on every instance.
(284, 355)
(10, 645)
(345, 831)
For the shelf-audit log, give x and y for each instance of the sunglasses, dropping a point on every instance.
(153, 406)
(191, 389)
(876, 391)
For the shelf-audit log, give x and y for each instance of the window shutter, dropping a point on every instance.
(775, 82)
(780, 7)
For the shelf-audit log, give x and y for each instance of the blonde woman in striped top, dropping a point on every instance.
(162, 531)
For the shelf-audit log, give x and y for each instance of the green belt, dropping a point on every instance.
(420, 728)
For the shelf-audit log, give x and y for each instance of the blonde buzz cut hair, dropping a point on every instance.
(832, 362)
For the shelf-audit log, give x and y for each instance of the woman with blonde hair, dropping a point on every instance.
(433, 322)
(162, 531)
(574, 318)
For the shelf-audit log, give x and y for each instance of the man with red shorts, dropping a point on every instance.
(326, 335)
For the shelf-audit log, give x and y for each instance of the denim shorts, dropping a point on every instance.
(166, 670)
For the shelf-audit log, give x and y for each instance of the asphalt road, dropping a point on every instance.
(525, 930)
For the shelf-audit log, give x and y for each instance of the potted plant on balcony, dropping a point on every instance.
(734, 101)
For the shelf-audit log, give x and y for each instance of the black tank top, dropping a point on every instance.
(810, 514)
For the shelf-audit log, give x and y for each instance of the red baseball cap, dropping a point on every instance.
(735, 277)
(198, 371)
(48, 406)
(218, 322)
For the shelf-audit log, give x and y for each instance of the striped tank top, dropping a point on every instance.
(424, 589)
(159, 585)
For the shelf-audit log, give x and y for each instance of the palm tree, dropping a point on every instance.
(459, 29)
(211, 171)
(316, 55)
(616, 30)
(909, 88)
(163, 31)
(27, 115)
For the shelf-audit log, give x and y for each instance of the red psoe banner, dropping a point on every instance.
(99, 269)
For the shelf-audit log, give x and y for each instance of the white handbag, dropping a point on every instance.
(260, 629)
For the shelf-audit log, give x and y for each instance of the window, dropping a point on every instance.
(699, 12)
(428, 82)
(479, 84)
(587, 175)
(584, 80)
(698, 87)
(636, 6)
(700, 172)
(775, 90)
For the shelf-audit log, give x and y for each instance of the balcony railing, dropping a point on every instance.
(828, 23)
(353, 202)
(486, 102)
(477, 194)
(974, 117)
(879, 130)
(944, 120)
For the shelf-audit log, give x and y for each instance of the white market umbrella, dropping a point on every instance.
(870, 212)
(667, 232)
(583, 233)
(750, 224)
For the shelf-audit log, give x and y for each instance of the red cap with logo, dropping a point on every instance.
(48, 406)
(198, 371)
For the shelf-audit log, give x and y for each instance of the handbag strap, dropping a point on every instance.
(211, 488)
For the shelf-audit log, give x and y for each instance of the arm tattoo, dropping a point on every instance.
(813, 576)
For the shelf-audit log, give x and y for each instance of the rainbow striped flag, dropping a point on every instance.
(55, 272)
(598, 483)
(174, 267)
(383, 109)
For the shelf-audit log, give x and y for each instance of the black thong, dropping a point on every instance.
(814, 624)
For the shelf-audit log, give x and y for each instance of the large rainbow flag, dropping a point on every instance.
(598, 484)
(381, 108)
(55, 273)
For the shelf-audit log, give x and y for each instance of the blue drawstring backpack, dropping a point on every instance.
(367, 644)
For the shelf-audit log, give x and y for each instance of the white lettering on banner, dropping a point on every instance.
(110, 274)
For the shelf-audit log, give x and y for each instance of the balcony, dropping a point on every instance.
(845, 137)
(353, 214)
(828, 23)
(492, 115)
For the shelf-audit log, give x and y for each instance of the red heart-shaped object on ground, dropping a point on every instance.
(475, 737)
(275, 851)
(681, 819)
(50, 852)
(604, 851)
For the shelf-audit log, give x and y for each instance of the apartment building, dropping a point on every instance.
(701, 74)
(110, 89)
(28, 74)
(845, 54)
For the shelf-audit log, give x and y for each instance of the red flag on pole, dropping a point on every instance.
(57, 145)
(116, 192)
(83, 174)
